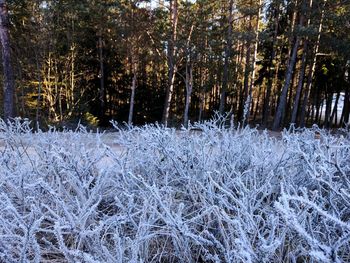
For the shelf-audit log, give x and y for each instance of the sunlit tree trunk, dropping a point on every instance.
(40, 85)
(172, 67)
(49, 93)
(72, 77)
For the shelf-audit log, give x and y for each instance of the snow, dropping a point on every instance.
(150, 194)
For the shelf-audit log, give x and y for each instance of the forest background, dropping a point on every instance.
(266, 62)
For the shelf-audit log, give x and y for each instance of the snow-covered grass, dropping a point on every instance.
(160, 195)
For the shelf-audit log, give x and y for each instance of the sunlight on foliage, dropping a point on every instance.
(91, 119)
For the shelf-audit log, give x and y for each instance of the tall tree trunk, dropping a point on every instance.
(246, 80)
(188, 78)
(189, 85)
(312, 68)
(235, 88)
(40, 83)
(288, 108)
(202, 75)
(300, 84)
(71, 98)
(302, 71)
(344, 119)
(346, 109)
(289, 74)
(56, 80)
(329, 99)
(172, 68)
(201, 96)
(283, 98)
(266, 109)
(251, 87)
(257, 106)
(132, 97)
(334, 117)
(50, 97)
(22, 108)
(9, 87)
(319, 105)
(228, 48)
(101, 76)
(313, 105)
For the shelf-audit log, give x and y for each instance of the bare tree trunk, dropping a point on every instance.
(201, 95)
(22, 109)
(312, 68)
(288, 108)
(319, 105)
(71, 98)
(251, 87)
(255, 112)
(346, 110)
(300, 84)
(189, 86)
(189, 77)
(101, 76)
(60, 103)
(235, 88)
(227, 60)
(246, 81)
(38, 102)
(172, 68)
(56, 80)
(302, 72)
(132, 97)
(334, 117)
(266, 109)
(50, 96)
(329, 99)
(9, 87)
(283, 98)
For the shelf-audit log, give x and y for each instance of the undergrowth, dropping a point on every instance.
(202, 194)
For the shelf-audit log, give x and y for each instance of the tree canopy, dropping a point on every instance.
(268, 62)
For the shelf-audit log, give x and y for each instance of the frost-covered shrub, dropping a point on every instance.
(151, 194)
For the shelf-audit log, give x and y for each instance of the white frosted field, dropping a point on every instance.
(150, 194)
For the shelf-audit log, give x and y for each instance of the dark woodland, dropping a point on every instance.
(268, 62)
